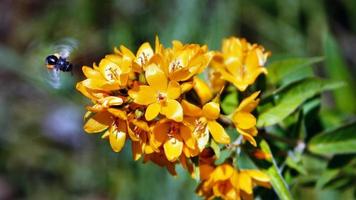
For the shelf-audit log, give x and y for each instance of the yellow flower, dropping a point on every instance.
(226, 182)
(216, 81)
(204, 121)
(248, 178)
(140, 135)
(202, 89)
(160, 95)
(222, 182)
(206, 163)
(240, 62)
(244, 121)
(112, 74)
(173, 136)
(142, 58)
(115, 128)
(184, 61)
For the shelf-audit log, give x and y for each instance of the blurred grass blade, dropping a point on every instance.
(336, 69)
(326, 177)
(341, 140)
(292, 96)
(277, 181)
(278, 70)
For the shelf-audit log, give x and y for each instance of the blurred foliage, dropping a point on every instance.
(44, 153)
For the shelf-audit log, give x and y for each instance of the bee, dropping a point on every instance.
(58, 62)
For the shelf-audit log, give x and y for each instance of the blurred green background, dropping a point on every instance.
(43, 151)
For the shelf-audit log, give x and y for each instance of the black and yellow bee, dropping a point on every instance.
(59, 62)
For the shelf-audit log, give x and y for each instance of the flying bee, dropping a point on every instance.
(59, 62)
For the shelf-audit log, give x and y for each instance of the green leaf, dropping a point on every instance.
(280, 69)
(326, 177)
(277, 181)
(337, 70)
(292, 96)
(229, 103)
(341, 140)
(215, 148)
(296, 166)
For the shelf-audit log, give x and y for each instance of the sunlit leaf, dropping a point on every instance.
(292, 96)
(280, 69)
(341, 140)
(277, 181)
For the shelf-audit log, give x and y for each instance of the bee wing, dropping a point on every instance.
(65, 47)
(54, 78)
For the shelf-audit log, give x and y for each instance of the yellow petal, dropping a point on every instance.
(190, 109)
(222, 172)
(85, 91)
(145, 95)
(249, 104)
(141, 124)
(118, 113)
(211, 110)
(148, 149)
(117, 139)
(134, 136)
(144, 54)
(99, 84)
(98, 122)
(186, 86)
(173, 149)
(152, 111)
(110, 101)
(123, 65)
(258, 175)
(203, 90)
(126, 52)
(203, 139)
(159, 134)
(244, 120)
(158, 45)
(247, 136)
(172, 110)
(91, 73)
(156, 78)
(218, 132)
(245, 182)
(187, 136)
(173, 90)
(239, 84)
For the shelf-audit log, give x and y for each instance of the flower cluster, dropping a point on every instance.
(225, 181)
(156, 99)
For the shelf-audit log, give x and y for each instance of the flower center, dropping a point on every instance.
(162, 97)
(173, 130)
(143, 58)
(175, 65)
(111, 73)
(200, 127)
